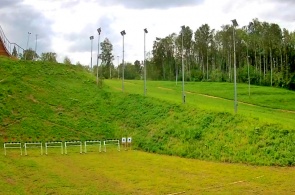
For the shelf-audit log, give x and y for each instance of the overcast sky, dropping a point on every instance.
(64, 26)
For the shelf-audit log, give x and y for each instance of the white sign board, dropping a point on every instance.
(123, 139)
(129, 139)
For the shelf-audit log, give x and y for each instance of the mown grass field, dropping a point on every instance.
(54, 102)
(135, 172)
(272, 105)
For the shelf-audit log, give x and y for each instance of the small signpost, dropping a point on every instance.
(13, 145)
(124, 142)
(129, 140)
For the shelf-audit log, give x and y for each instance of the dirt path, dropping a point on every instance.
(245, 103)
(165, 88)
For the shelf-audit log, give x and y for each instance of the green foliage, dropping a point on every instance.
(107, 58)
(130, 71)
(67, 61)
(14, 52)
(48, 57)
(41, 101)
(29, 54)
(208, 54)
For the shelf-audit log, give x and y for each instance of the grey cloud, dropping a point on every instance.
(80, 42)
(8, 3)
(290, 2)
(283, 10)
(150, 4)
(70, 3)
(18, 19)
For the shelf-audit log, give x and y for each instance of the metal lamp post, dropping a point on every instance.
(144, 61)
(176, 66)
(248, 66)
(123, 33)
(118, 66)
(27, 45)
(91, 39)
(182, 65)
(98, 31)
(235, 24)
(36, 46)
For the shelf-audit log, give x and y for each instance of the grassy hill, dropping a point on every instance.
(46, 102)
(269, 105)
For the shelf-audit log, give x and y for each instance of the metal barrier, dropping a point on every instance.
(98, 142)
(53, 145)
(73, 143)
(33, 145)
(13, 145)
(8, 46)
(111, 142)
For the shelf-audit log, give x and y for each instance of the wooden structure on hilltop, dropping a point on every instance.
(6, 47)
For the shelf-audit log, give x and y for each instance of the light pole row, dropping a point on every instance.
(91, 39)
(182, 65)
(235, 24)
(123, 33)
(98, 31)
(27, 45)
(144, 61)
(97, 62)
(35, 54)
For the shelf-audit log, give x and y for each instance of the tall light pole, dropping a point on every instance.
(248, 66)
(176, 66)
(91, 39)
(182, 65)
(235, 24)
(36, 46)
(98, 31)
(27, 45)
(144, 61)
(123, 67)
(118, 66)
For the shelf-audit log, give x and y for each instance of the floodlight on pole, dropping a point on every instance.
(98, 31)
(176, 66)
(91, 39)
(118, 66)
(27, 45)
(36, 46)
(123, 33)
(144, 61)
(182, 65)
(235, 24)
(248, 64)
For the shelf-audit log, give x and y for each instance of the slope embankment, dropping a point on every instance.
(42, 101)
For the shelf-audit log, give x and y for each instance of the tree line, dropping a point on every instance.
(265, 55)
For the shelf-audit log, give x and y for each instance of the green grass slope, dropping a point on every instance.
(277, 107)
(46, 102)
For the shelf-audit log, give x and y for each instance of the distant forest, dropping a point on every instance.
(265, 55)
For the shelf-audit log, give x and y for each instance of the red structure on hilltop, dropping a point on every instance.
(6, 47)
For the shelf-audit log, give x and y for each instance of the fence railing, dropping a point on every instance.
(8, 46)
